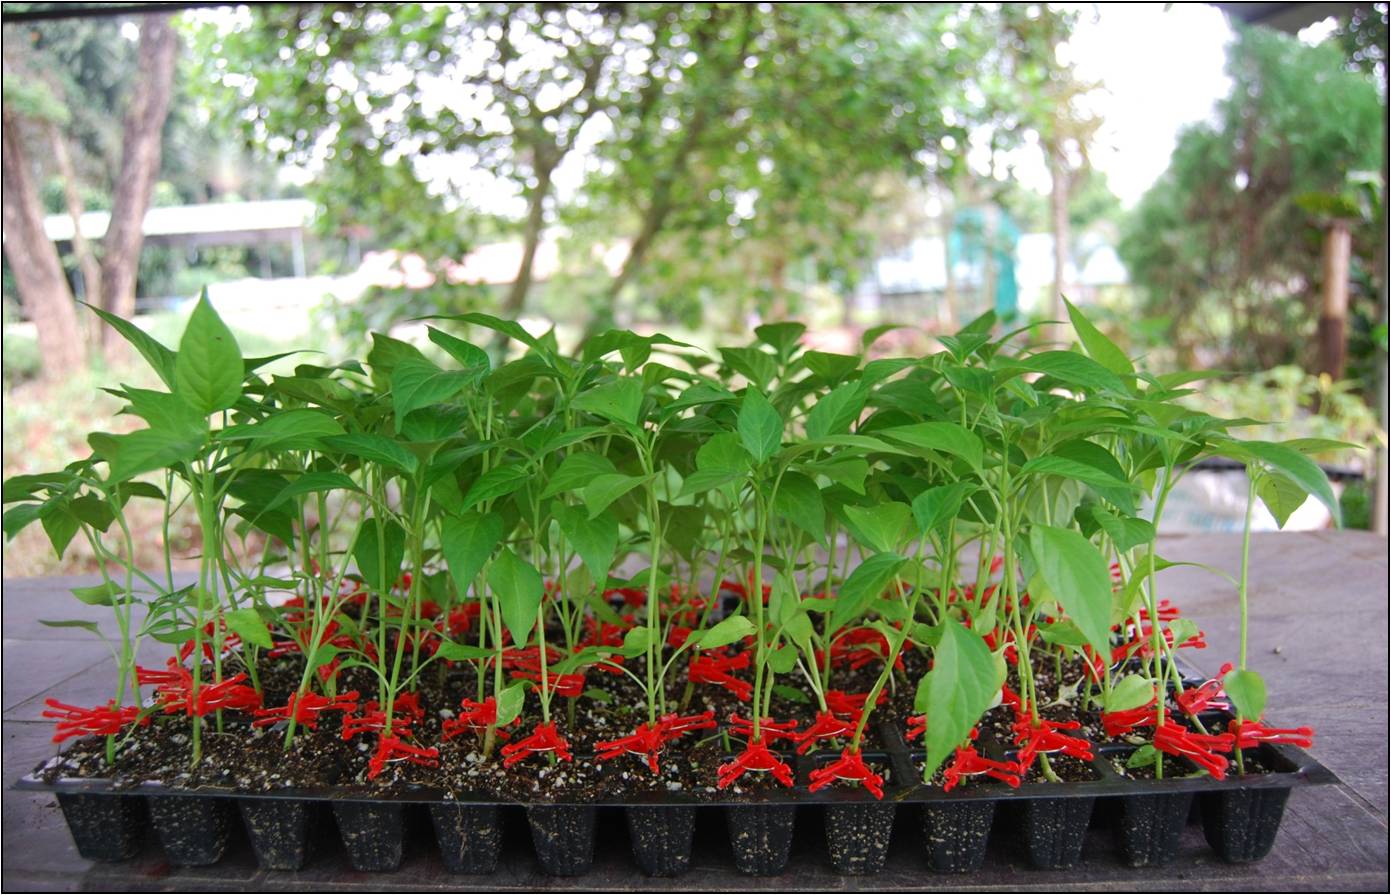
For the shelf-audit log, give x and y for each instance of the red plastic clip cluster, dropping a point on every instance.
(715, 669)
(756, 758)
(969, 763)
(850, 767)
(393, 749)
(543, 738)
(1202, 749)
(648, 739)
(305, 708)
(101, 720)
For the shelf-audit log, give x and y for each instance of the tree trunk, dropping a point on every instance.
(86, 259)
(43, 289)
(531, 239)
(1333, 339)
(1057, 170)
(946, 318)
(141, 144)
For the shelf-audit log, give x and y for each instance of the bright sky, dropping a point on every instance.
(1161, 69)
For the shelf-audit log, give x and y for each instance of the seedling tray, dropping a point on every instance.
(1240, 817)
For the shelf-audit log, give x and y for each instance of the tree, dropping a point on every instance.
(1220, 246)
(55, 65)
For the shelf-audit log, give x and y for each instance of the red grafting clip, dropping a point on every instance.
(543, 738)
(968, 763)
(305, 709)
(101, 720)
(917, 726)
(826, 727)
(393, 749)
(1045, 738)
(405, 712)
(851, 705)
(849, 767)
(1195, 699)
(228, 694)
(648, 739)
(230, 641)
(1166, 612)
(1014, 701)
(769, 728)
(1201, 749)
(1119, 723)
(715, 669)
(755, 758)
(476, 716)
(1250, 734)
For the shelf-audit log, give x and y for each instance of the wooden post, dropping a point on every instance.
(1333, 341)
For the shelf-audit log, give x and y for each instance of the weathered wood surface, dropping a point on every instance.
(1319, 613)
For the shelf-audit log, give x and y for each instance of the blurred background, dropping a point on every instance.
(1207, 180)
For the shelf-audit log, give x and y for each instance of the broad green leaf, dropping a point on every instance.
(469, 355)
(722, 453)
(467, 540)
(1101, 349)
(72, 623)
(517, 586)
(249, 626)
(798, 500)
(294, 429)
(380, 549)
(157, 355)
(836, 411)
(866, 583)
(1076, 573)
(1281, 496)
(496, 483)
(1300, 470)
(510, 700)
(934, 508)
(208, 369)
(143, 451)
(964, 682)
(948, 438)
(1246, 689)
(311, 483)
(727, 631)
(16, 519)
(575, 471)
(462, 652)
(605, 489)
(594, 539)
(619, 401)
(1073, 369)
(1126, 532)
(781, 336)
(61, 524)
(376, 448)
(831, 367)
(103, 594)
(883, 527)
(419, 383)
(783, 659)
(1130, 692)
(703, 480)
(760, 426)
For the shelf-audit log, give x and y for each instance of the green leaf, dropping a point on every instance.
(380, 549)
(1074, 369)
(619, 401)
(1130, 692)
(462, 652)
(419, 383)
(467, 540)
(1076, 573)
(1300, 470)
(1101, 349)
(798, 500)
(208, 369)
(72, 623)
(722, 453)
(791, 694)
(882, 527)
(831, 367)
(1281, 496)
(249, 626)
(964, 682)
(1246, 689)
(575, 471)
(595, 540)
(496, 483)
(782, 660)
(934, 508)
(60, 524)
(866, 583)
(469, 355)
(1126, 532)
(703, 480)
(136, 453)
(781, 336)
(518, 588)
(16, 519)
(760, 426)
(297, 429)
(509, 703)
(605, 489)
(727, 631)
(948, 438)
(376, 448)
(836, 411)
(1143, 757)
(311, 483)
(158, 356)
(103, 594)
